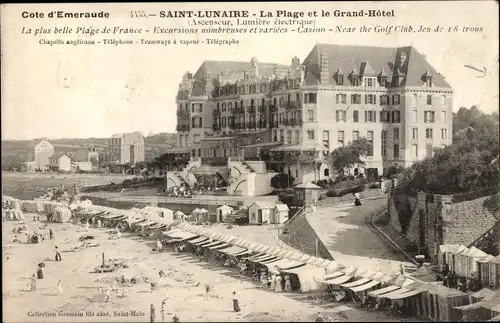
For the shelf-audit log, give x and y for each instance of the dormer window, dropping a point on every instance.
(370, 81)
(427, 78)
(383, 81)
(428, 81)
(355, 80)
(339, 79)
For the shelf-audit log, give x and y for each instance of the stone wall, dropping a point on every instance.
(436, 219)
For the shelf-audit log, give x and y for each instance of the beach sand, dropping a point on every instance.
(184, 290)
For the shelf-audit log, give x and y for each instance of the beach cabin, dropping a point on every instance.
(260, 212)
(223, 212)
(61, 214)
(12, 215)
(280, 214)
(179, 216)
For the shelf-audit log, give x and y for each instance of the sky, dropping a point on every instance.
(84, 91)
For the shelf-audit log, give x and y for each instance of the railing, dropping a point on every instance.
(214, 161)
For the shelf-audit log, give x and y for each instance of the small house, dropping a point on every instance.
(260, 212)
(281, 212)
(222, 213)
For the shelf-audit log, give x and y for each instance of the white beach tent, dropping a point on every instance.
(61, 214)
(12, 214)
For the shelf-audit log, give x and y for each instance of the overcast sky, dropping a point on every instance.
(112, 89)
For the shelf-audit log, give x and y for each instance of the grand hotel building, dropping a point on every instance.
(391, 96)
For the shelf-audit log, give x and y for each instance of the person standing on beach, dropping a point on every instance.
(236, 303)
(163, 311)
(51, 234)
(152, 314)
(33, 283)
(59, 288)
(58, 254)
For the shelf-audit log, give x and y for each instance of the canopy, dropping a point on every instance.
(221, 246)
(198, 240)
(329, 276)
(214, 243)
(283, 264)
(405, 295)
(206, 243)
(257, 255)
(366, 286)
(183, 235)
(355, 283)
(233, 250)
(262, 248)
(395, 293)
(339, 280)
(384, 290)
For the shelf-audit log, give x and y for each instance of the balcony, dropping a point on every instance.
(292, 105)
(182, 128)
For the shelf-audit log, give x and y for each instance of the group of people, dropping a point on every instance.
(275, 281)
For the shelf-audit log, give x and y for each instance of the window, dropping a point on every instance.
(429, 116)
(340, 115)
(355, 80)
(309, 98)
(355, 135)
(444, 133)
(310, 134)
(414, 116)
(370, 116)
(355, 116)
(443, 116)
(383, 81)
(370, 81)
(193, 122)
(395, 151)
(275, 135)
(428, 133)
(430, 151)
(370, 99)
(414, 151)
(230, 106)
(288, 136)
(384, 116)
(429, 99)
(297, 136)
(443, 100)
(414, 100)
(384, 99)
(326, 139)
(223, 121)
(196, 139)
(310, 115)
(369, 137)
(341, 98)
(428, 81)
(396, 99)
(340, 79)
(384, 143)
(414, 133)
(396, 116)
(340, 138)
(282, 135)
(355, 98)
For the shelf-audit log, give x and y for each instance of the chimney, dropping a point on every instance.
(324, 71)
(208, 84)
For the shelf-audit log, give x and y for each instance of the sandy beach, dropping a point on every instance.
(184, 290)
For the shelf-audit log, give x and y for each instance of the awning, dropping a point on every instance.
(265, 259)
(301, 269)
(257, 255)
(198, 240)
(284, 264)
(168, 233)
(221, 246)
(233, 250)
(183, 235)
(364, 287)
(339, 280)
(384, 290)
(325, 278)
(158, 226)
(395, 293)
(355, 283)
(206, 243)
(406, 295)
(214, 243)
(145, 224)
(246, 251)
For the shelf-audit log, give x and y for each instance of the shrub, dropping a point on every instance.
(281, 181)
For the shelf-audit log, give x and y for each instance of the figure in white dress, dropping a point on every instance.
(60, 288)
(278, 288)
(87, 226)
(273, 282)
(288, 284)
(99, 223)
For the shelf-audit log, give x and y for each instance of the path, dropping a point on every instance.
(346, 232)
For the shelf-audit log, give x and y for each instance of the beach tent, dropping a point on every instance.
(179, 215)
(473, 256)
(12, 214)
(222, 213)
(61, 214)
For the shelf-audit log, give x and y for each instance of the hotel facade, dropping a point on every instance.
(391, 96)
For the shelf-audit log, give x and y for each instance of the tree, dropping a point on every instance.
(281, 181)
(470, 164)
(95, 162)
(351, 155)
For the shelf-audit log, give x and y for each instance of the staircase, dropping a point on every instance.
(247, 167)
(487, 241)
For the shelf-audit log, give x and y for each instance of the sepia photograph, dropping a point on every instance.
(250, 162)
